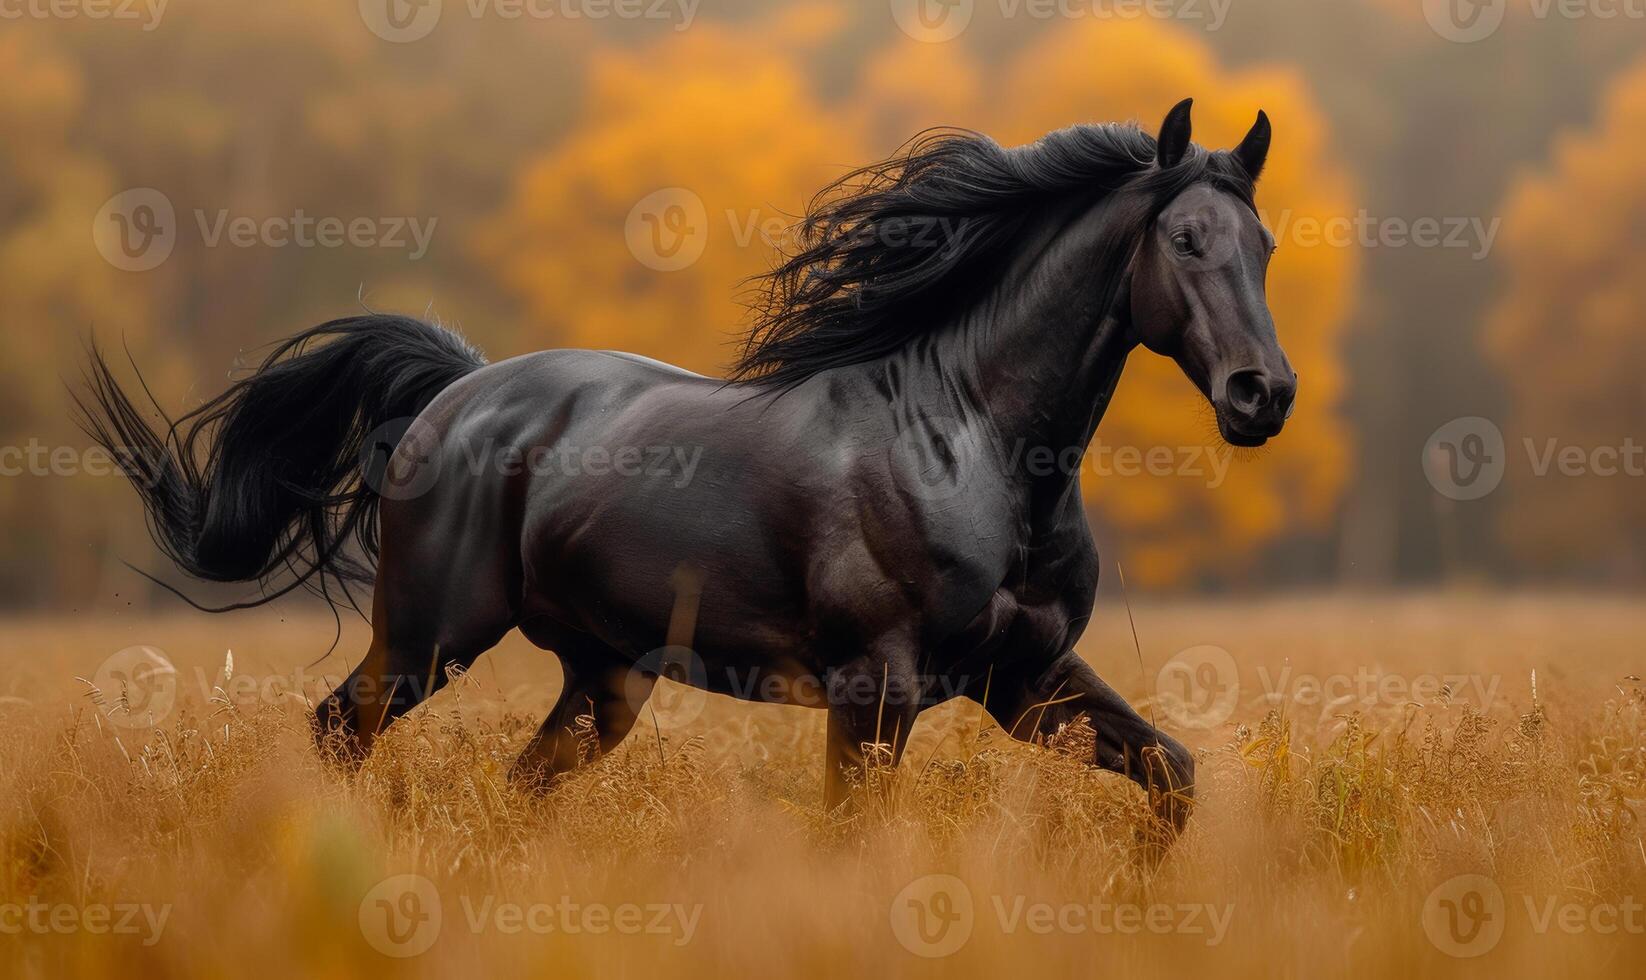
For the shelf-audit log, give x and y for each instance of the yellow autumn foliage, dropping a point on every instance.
(725, 128)
(1566, 335)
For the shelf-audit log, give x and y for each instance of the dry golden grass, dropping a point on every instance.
(1325, 824)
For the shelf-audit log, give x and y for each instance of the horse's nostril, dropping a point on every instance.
(1249, 391)
(1286, 401)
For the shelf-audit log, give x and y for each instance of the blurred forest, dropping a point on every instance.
(525, 144)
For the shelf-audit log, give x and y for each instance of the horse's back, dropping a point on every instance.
(570, 369)
(662, 367)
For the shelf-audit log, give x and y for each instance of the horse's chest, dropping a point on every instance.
(1044, 598)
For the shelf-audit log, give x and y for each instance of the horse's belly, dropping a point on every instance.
(637, 580)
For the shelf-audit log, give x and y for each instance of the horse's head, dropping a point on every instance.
(1197, 290)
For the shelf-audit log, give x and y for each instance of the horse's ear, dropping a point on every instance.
(1254, 149)
(1173, 140)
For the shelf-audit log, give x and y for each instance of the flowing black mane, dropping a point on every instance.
(893, 250)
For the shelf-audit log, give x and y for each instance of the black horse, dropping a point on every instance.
(852, 522)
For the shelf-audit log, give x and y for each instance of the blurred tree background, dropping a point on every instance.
(1566, 335)
(530, 141)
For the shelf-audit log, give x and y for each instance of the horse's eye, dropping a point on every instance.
(1184, 244)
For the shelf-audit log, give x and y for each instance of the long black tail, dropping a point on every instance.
(268, 477)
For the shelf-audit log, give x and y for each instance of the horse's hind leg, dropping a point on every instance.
(559, 747)
(404, 667)
(596, 686)
(431, 612)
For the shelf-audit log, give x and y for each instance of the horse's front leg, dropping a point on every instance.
(1032, 705)
(872, 705)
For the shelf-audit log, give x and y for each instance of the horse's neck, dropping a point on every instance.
(1043, 354)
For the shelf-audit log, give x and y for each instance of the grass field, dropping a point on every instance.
(1388, 787)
